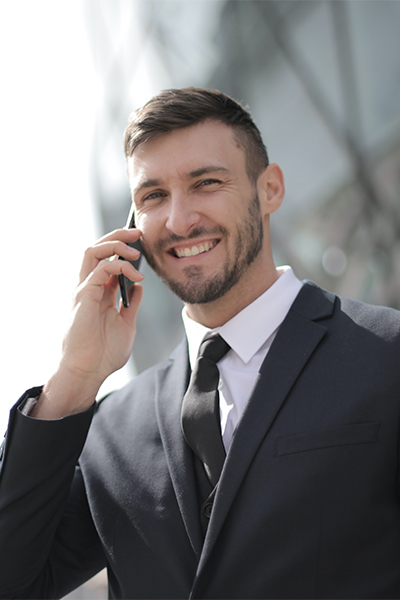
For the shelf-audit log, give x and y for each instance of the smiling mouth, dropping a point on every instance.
(194, 250)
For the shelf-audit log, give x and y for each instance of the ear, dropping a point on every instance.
(271, 189)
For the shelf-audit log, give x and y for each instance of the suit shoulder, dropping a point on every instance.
(140, 385)
(381, 320)
(350, 317)
(141, 389)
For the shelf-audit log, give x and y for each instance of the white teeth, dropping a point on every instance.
(195, 249)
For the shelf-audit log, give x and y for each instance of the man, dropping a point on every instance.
(306, 504)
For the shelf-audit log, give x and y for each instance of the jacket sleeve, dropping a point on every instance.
(48, 543)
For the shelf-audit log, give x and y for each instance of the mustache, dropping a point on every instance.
(197, 232)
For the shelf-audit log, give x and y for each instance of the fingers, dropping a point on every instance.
(106, 268)
(112, 244)
(126, 235)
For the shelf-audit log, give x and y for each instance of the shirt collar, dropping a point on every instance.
(259, 319)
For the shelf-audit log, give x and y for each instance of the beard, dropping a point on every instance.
(199, 289)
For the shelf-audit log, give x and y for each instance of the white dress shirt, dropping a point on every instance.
(250, 334)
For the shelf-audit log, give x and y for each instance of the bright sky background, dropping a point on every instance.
(47, 109)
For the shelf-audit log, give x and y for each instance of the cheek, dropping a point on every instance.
(150, 228)
(144, 224)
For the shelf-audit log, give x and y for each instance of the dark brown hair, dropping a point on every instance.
(179, 108)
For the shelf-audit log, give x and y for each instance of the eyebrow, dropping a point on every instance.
(196, 173)
(146, 184)
(205, 170)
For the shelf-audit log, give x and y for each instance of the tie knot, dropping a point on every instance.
(214, 348)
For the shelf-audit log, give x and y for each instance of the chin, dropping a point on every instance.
(202, 290)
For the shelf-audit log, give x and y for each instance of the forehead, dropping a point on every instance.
(186, 150)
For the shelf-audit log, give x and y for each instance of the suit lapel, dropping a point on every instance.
(297, 339)
(171, 385)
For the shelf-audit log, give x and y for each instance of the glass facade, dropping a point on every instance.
(322, 80)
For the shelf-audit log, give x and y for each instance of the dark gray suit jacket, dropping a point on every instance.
(308, 501)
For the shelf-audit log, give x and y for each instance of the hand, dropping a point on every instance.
(100, 337)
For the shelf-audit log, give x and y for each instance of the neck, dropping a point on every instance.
(249, 288)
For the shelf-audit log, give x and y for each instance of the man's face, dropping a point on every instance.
(198, 212)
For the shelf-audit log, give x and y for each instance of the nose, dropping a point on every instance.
(182, 216)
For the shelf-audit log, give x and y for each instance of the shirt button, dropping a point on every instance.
(207, 508)
(220, 384)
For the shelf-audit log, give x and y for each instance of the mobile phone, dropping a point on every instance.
(124, 282)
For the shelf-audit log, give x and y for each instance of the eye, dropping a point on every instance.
(209, 182)
(154, 196)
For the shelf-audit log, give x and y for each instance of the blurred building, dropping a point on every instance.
(322, 80)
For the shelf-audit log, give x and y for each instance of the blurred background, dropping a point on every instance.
(322, 81)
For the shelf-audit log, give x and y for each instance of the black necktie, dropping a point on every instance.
(200, 409)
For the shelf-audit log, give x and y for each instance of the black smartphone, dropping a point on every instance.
(124, 282)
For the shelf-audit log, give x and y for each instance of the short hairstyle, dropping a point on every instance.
(179, 108)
